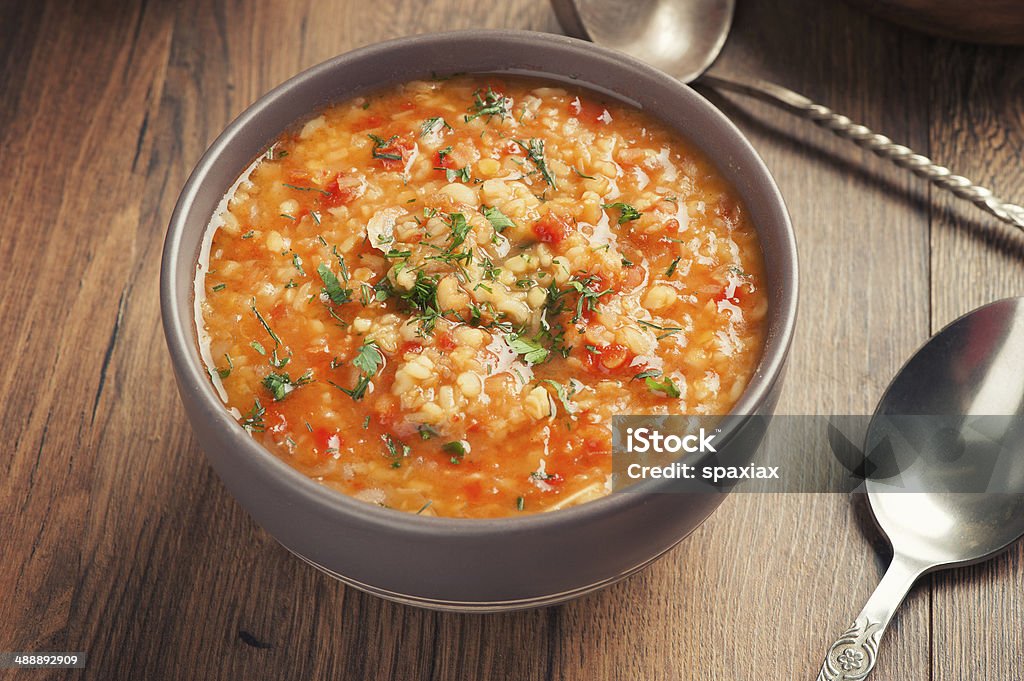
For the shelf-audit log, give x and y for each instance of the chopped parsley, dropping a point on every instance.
(224, 373)
(564, 394)
(368, 360)
(421, 299)
(306, 189)
(250, 234)
(258, 347)
(664, 386)
(532, 351)
(520, 503)
(489, 104)
(451, 174)
(220, 287)
(426, 432)
(281, 385)
(456, 449)
(588, 297)
(380, 144)
(499, 221)
(278, 362)
(534, 149)
(263, 322)
(332, 286)
(460, 228)
(626, 211)
(672, 268)
(253, 421)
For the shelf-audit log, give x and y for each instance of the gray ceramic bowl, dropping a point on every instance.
(448, 563)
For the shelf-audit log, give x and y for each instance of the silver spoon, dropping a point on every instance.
(971, 372)
(684, 37)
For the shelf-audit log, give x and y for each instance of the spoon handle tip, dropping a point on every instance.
(853, 655)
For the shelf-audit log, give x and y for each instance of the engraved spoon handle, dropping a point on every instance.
(882, 146)
(853, 655)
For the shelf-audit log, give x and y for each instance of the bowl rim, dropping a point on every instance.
(193, 380)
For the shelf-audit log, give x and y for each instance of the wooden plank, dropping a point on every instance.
(977, 129)
(69, 233)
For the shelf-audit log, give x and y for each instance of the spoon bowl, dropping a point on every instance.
(698, 32)
(948, 436)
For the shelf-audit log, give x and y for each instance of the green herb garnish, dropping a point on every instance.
(499, 221)
(263, 321)
(224, 373)
(306, 189)
(665, 386)
(672, 268)
(489, 104)
(457, 450)
(564, 395)
(626, 211)
(253, 421)
(332, 286)
(281, 385)
(532, 351)
(534, 149)
(379, 143)
(396, 450)
(368, 360)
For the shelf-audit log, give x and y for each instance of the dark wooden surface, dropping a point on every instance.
(117, 539)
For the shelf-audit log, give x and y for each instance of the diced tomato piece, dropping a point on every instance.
(341, 191)
(551, 228)
(554, 479)
(408, 106)
(411, 346)
(445, 342)
(446, 162)
(613, 357)
(400, 147)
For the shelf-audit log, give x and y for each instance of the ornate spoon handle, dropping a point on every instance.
(904, 157)
(853, 655)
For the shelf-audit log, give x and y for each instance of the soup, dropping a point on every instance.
(435, 297)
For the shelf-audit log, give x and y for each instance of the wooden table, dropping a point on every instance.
(117, 539)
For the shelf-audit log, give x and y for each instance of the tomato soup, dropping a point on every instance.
(434, 298)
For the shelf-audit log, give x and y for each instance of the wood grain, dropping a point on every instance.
(117, 539)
